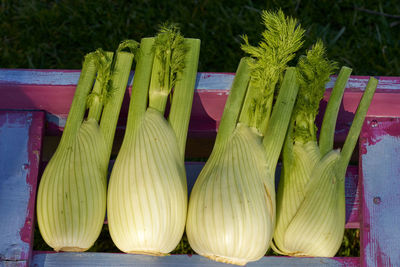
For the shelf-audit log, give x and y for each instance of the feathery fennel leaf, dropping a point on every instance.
(313, 71)
(281, 39)
(170, 49)
(169, 59)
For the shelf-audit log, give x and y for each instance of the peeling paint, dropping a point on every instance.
(61, 77)
(381, 179)
(34, 146)
(206, 80)
(375, 128)
(14, 191)
(381, 258)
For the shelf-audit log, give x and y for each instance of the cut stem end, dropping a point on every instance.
(148, 252)
(224, 259)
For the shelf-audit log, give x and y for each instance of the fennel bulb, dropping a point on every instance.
(147, 194)
(71, 200)
(231, 215)
(311, 194)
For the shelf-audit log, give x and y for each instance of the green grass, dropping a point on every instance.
(57, 34)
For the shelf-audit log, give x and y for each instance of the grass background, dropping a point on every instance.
(364, 35)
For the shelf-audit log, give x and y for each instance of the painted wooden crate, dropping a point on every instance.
(33, 108)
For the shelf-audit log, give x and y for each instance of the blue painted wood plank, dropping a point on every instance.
(205, 80)
(211, 81)
(20, 136)
(13, 264)
(380, 161)
(113, 259)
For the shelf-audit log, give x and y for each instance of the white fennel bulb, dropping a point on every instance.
(232, 210)
(149, 176)
(231, 214)
(71, 200)
(147, 194)
(311, 210)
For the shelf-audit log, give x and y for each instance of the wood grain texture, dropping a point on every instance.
(20, 144)
(352, 191)
(205, 80)
(110, 259)
(13, 264)
(380, 165)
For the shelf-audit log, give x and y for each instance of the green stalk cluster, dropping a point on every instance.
(71, 200)
(147, 194)
(280, 41)
(231, 215)
(311, 194)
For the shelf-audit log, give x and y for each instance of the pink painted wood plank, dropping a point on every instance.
(380, 171)
(20, 145)
(52, 91)
(117, 259)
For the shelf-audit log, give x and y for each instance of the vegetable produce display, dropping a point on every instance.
(234, 213)
(71, 199)
(231, 215)
(147, 194)
(311, 208)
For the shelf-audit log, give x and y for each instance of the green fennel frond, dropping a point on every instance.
(132, 45)
(170, 50)
(313, 71)
(282, 37)
(103, 65)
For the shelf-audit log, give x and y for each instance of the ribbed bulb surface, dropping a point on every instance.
(311, 207)
(147, 194)
(71, 212)
(232, 206)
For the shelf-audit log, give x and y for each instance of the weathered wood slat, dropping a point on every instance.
(20, 144)
(206, 80)
(352, 190)
(52, 91)
(110, 259)
(13, 264)
(380, 164)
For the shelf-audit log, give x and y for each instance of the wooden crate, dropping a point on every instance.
(33, 108)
